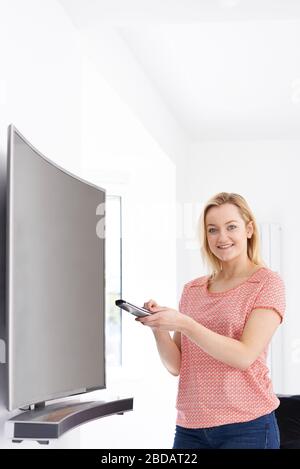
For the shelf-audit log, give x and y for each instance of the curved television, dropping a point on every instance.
(55, 305)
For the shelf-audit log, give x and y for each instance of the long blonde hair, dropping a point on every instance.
(213, 264)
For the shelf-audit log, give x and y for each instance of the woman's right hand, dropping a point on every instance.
(152, 306)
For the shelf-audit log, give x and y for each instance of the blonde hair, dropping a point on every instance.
(253, 248)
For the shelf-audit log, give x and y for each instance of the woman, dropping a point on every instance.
(222, 331)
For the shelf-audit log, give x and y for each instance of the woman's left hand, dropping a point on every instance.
(165, 319)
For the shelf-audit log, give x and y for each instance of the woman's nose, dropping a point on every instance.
(223, 239)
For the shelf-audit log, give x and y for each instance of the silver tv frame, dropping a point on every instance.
(36, 371)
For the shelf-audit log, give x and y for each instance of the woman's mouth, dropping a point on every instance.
(227, 246)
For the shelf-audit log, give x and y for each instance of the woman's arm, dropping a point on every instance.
(168, 350)
(240, 354)
(257, 333)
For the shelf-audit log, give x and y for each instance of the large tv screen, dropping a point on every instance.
(55, 279)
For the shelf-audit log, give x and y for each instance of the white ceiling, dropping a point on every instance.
(226, 69)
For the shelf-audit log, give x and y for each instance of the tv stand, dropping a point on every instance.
(39, 405)
(48, 422)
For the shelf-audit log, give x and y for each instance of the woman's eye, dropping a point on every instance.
(212, 230)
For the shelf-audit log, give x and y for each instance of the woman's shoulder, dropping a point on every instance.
(267, 280)
(265, 273)
(196, 282)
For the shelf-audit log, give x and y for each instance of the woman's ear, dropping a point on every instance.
(250, 229)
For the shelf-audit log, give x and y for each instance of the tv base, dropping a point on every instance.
(52, 421)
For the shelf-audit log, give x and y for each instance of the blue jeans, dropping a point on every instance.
(262, 432)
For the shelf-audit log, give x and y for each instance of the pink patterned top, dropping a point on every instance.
(210, 392)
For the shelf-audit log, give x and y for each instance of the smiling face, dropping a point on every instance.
(227, 232)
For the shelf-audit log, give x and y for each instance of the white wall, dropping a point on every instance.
(266, 173)
(105, 46)
(40, 92)
(121, 156)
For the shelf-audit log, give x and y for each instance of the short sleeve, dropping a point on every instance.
(272, 295)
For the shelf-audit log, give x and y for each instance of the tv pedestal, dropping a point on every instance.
(51, 421)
